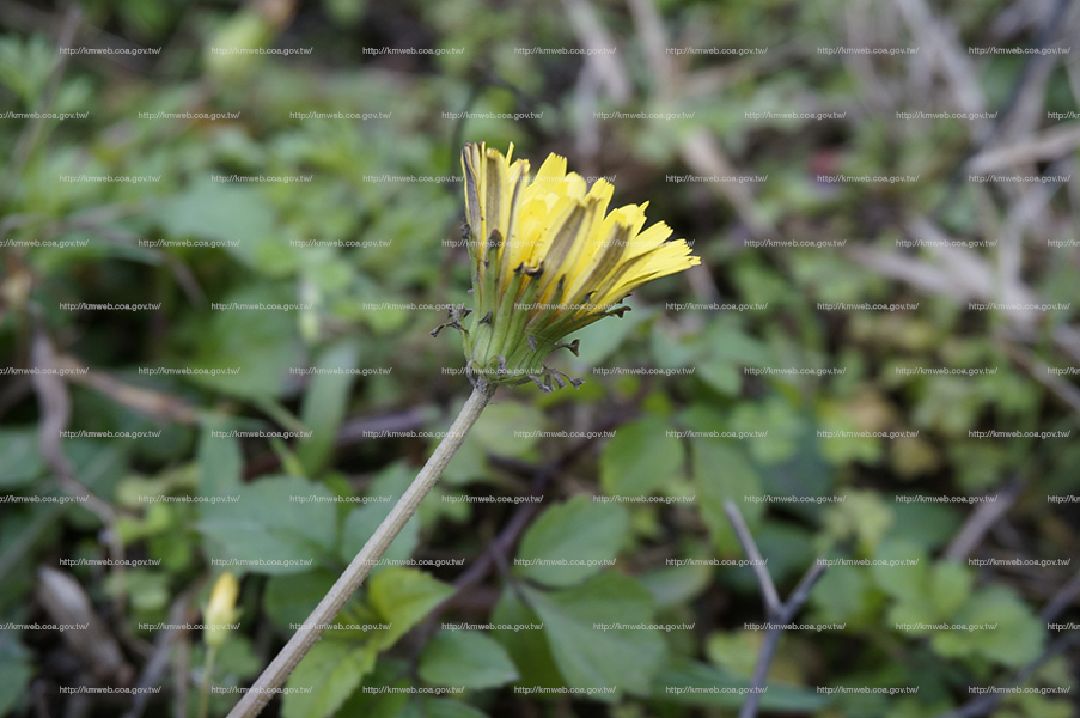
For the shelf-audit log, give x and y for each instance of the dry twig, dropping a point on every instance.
(778, 613)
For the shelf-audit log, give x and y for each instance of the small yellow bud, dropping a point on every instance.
(221, 610)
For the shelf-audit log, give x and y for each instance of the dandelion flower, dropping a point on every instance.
(548, 258)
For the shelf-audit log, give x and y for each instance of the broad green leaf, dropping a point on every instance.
(237, 657)
(950, 587)
(16, 669)
(468, 464)
(618, 654)
(721, 473)
(865, 516)
(466, 658)
(780, 418)
(504, 428)
(220, 462)
(274, 521)
(326, 676)
(148, 589)
(231, 213)
(676, 585)
(690, 683)
(1006, 630)
(290, 598)
(735, 652)
(929, 525)
(845, 593)
(525, 640)
(494, 433)
(363, 520)
(578, 530)
(230, 339)
(640, 459)
(446, 708)
(325, 402)
(1033, 705)
(20, 458)
(788, 547)
(902, 579)
(371, 700)
(724, 377)
(402, 597)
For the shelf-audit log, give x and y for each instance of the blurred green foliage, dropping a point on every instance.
(340, 327)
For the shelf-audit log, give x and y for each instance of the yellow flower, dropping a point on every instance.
(548, 258)
(221, 610)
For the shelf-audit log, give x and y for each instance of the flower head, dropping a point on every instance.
(548, 258)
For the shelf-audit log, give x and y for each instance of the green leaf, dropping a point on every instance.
(237, 657)
(734, 652)
(231, 213)
(467, 659)
(493, 433)
(496, 429)
(362, 521)
(929, 525)
(866, 516)
(900, 580)
(721, 473)
(691, 683)
(402, 597)
(580, 529)
(220, 463)
(640, 459)
(325, 402)
(724, 377)
(269, 524)
(1009, 632)
(20, 458)
(950, 587)
(226, 339)
(622, 658)
(16, 670)
(388, 672)
(447, 708)
(326, 676)
(672, 586)
(289, 598)
(468, 464)
(845, 593)
(1033, 705)
(525, 640)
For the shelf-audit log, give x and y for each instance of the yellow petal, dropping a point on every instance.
(668, 258)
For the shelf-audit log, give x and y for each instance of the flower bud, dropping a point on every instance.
(221, 610)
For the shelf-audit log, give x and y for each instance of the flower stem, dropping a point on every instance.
(350, 579)
(208, 671)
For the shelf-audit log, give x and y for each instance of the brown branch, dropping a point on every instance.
(179, 614)
(154, 404)
(55, 405)
(981, 520)
(779, 613)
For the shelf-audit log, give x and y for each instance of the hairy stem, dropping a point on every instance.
(350, 579)
(208, 672)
